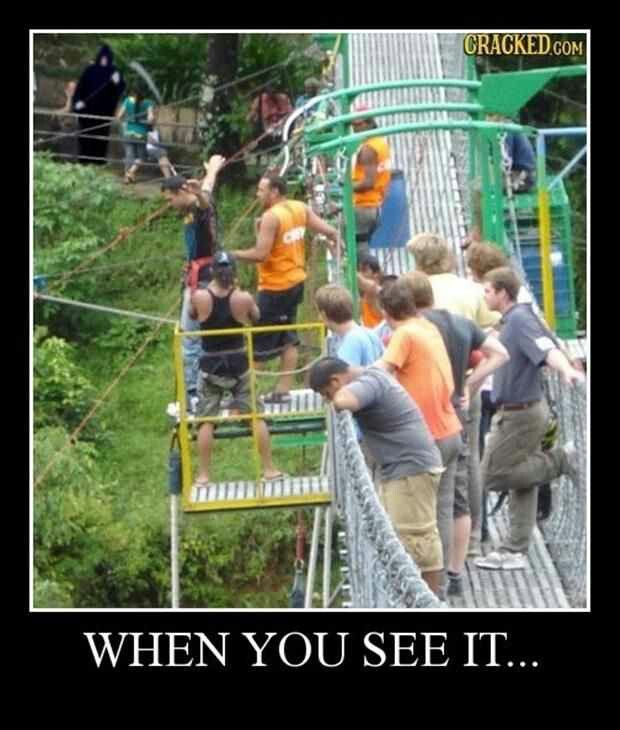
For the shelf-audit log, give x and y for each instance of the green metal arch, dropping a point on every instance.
(386, 111)
(353, 140)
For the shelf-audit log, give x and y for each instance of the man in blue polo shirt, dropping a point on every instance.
(513, 457)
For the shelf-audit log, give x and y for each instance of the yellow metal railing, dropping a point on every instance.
(253, 416)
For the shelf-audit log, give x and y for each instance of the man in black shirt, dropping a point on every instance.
(224, 362)
(457, 507)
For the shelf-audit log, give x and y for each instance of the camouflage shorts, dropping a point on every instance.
(212, 389)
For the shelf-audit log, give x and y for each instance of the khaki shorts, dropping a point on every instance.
(411, 503)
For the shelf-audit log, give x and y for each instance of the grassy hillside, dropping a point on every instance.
(101, 514)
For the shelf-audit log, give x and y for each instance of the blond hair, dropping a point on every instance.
(482, 257)
(431, 253)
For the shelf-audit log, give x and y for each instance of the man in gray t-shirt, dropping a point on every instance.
(398, 438)
(513, 457)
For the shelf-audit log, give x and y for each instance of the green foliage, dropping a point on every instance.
(62, 393)
(227, 559)
(124, 335)
(72, 203)
(176, 62)
(70, 510)
(258, 52)
(261, 50)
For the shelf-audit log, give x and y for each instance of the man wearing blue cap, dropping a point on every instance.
(224, 366)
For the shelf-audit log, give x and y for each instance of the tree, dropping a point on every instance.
(222, 64)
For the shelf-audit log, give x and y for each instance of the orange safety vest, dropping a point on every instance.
(285, 266)
(371, 317)
(374, 198)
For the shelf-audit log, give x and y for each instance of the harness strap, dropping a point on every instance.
(191, 279)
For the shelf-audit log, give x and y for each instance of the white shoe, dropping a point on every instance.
(501, 561)
(572, 461)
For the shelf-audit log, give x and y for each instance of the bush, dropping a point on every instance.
(71, 203)
(232, 558)
(62, 394)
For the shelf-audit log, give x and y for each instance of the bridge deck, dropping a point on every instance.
(538, 586)
(429, 166)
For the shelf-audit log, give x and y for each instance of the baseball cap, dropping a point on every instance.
(223, 258)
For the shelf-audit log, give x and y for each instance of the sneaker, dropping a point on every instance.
(173, 410)
(455, 585)
(501, 561)
(572, 461)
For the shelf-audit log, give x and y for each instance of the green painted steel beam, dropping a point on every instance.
(352, 141)
(387, 110)
(353, 91)
(506, 93)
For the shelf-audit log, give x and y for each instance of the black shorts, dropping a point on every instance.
(277, 308)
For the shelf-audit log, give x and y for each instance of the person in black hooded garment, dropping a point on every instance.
(98, 92)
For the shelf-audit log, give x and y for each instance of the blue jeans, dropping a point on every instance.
(134, 152)
(192, 347)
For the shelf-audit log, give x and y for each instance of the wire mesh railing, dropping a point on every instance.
(381, 573)
(566, 530)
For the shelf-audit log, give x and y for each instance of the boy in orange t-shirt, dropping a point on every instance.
(417, 357)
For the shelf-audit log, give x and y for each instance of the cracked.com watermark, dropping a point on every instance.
(521, 44)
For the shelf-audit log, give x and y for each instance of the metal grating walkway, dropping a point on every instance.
(429, 166)
(286, 492)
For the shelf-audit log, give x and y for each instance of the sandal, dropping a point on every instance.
(275, 398)
(201, 483)
(277, 477)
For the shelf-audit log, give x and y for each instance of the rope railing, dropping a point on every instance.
(76, 115)
(113, 138)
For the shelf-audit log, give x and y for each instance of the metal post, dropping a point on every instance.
(174, 488)
(314, 551)
(253, 397)
(350, 230)
(544, 224)
(174, 550)
(184, 438)
(498, 195)
(327, 555)
(486, 213)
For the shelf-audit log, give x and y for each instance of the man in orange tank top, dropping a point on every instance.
(280, 257)
(371, 178)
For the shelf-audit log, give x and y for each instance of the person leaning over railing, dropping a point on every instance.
(434, 257)
(417, 357)
(462, 339)
(398, 438)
